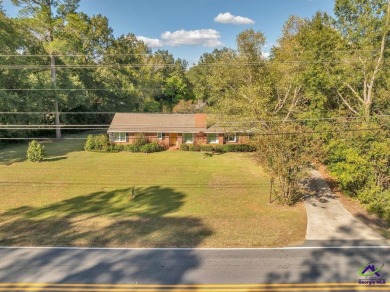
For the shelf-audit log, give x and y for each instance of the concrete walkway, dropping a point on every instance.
(327, 219)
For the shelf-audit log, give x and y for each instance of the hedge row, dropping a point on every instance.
(218, 148)
(100, 143)
(145, 148)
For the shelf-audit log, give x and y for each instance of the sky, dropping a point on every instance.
(188, 28)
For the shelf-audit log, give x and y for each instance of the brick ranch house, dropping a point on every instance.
(170, 129)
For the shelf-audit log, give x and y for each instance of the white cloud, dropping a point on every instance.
(204, 37)
(230, 18)
(153, 43)
(266, 55)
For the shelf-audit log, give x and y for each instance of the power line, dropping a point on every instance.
(154, 55)
(190, 186)
(41, 138)
(89, 55)
(61, 113)
(119, 66)
(258, 134)
(54, 128)
(238, 121)
(145, 126)
(307, 119)
(72, 89)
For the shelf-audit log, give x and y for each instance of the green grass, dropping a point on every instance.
(183, 199)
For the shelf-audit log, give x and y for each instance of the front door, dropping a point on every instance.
(172, 139)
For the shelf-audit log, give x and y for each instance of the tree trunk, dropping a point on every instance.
(367, 111)
(54, 87)
(369, 88)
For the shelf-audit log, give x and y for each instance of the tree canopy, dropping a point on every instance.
(322, 93)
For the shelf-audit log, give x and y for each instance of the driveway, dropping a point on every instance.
(327, 219)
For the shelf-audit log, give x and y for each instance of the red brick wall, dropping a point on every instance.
(199, 138)
(220, 138)
(241, 139)
(152, 137)
(200, 121)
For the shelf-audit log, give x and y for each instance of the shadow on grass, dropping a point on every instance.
(56, 158)
(104, 219)
(151, 201)
(13, 154)
(55, 150)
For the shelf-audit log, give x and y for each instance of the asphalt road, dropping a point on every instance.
(189, 266)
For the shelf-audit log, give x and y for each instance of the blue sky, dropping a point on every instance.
(188, 28)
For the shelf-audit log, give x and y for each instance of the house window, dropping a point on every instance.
(232, 138)
(188, 138)
(212, 138)
(160, 136)
(120, 137)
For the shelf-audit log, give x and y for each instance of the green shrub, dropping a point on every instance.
(207, 148)
(360, 164)
(184, 147)
(90, 143)
(131, 148)
(115, 148)
(239, 148)
(140, 140)
(151, 147)
(219, 149)
(35, 151)
(97, 143)
(194, 147)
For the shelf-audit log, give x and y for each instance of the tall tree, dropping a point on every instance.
(199, 75)
(45, 19)
(287, 67)
(365, 25)
(250, 44)
(320, 43)
(15, 42)
(167, 79)
(240, 79)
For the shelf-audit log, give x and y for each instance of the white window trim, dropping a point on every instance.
(216, 141)
(160, 136)
(120, 137)
(192, 138)
(232, 141)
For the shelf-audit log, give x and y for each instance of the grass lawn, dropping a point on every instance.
(77, 198)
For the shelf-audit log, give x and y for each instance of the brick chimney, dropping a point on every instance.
(200, 121)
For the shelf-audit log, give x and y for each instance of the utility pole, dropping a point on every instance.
(271, 189)
(54, 86)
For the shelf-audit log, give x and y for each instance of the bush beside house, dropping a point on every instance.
(218, 148)
(101, 143)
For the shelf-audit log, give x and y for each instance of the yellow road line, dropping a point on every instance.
(189, 288)
(180, 285)
(360, 288)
